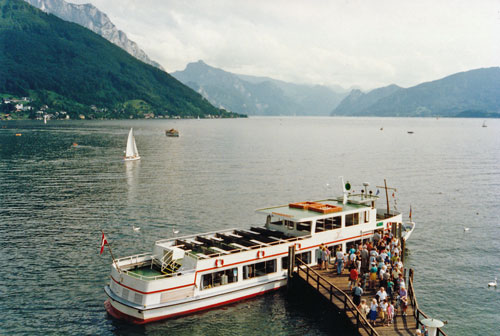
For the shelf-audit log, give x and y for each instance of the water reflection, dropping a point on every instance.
(132, 169)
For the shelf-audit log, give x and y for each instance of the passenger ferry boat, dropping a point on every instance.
(196, 272)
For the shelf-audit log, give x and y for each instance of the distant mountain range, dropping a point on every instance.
(475, 93)
(70, 68)
(122, 85)
(91, 18)
(258, 95)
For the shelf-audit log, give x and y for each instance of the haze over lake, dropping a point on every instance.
(56, 198)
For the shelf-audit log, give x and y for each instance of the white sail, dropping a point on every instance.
(131, 152)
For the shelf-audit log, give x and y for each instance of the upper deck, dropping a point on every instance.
(288, 223)
(308, 211)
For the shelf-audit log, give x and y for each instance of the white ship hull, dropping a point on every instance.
(141, 316)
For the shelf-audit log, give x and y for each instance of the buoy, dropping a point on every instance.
(18, 134)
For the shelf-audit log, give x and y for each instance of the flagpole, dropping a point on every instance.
(386, 196)
(111, 252)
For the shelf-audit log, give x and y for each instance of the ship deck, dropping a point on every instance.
(216, 244)
(144, 272)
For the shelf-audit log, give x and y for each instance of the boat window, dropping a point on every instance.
(320, 225)
(219, 278)
(259, 269)
(289, 224)
(284, 262)
(331, 223)
(352, 219)
(278, 222)
(305, 226)
(304, 256)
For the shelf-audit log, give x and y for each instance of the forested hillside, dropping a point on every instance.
(70, 68)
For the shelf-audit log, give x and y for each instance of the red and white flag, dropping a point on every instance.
(103, 242)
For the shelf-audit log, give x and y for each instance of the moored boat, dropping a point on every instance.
(191, 273)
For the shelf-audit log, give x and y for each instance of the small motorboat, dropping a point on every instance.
(407, 229)
(172, 133)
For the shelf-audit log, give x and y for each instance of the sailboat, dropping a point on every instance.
(484, 124)
(131, 153)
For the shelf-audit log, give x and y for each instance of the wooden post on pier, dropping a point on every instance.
(291, 264)
(402, 246)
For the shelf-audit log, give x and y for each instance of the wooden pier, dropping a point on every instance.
(335, 289)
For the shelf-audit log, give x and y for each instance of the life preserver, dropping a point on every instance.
(298, 246)
(219, 262)
(389, 225)
(260, 254)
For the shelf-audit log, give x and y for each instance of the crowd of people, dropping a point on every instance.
(374, 266)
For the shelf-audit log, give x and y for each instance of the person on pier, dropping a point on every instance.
(319, 256)
(390, 313)
(353, 276)
(373, 275)
(339, 260)
(356, 294)
(372, 316)
(364, 308)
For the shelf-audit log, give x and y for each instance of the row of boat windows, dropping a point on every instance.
(325, 224)
(255, 270)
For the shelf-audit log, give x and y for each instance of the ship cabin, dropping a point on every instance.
(189, 267)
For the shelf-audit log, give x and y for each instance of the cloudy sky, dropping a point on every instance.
(346, 42)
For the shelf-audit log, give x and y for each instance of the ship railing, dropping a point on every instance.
(134, 259)
(334, 293)
(156, 277)
(417, 312)
(143, 259)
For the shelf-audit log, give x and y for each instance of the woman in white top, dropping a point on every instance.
(372, 316)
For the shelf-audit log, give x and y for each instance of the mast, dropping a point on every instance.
(386, 193)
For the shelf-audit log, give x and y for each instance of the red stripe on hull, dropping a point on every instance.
(122, 316)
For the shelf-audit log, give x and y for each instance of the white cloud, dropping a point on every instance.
(366, 43)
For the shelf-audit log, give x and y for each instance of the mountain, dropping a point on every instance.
(470, 93)
(357, 101)
(257, 95)
(91, 18)
(68, 67)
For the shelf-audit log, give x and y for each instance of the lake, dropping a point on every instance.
(55, 199)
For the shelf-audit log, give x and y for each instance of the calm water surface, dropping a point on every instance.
(55, 199)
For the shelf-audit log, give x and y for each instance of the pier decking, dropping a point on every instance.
(335, 289)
